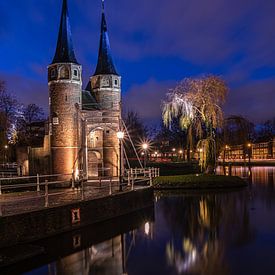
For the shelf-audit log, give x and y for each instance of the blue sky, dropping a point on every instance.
(155, 44)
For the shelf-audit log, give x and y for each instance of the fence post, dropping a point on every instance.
(132, 176)
(150, 176)
(82, 189)
(73, 181)
(132, 187)
(110, 187)
(37, 183)
(129, 179)
(46, 193)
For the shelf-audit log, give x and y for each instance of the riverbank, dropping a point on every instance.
(52, 220)
(198, 182)
(270, 162)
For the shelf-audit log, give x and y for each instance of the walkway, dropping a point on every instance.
(21, 202)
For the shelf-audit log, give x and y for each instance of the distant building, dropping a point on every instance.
(256, 151)
(83, 123)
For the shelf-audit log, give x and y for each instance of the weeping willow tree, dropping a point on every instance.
(198, 105)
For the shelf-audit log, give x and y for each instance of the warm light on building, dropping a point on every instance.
(120, 135)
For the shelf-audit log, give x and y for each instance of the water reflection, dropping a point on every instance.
(193, 233)
(255, 174)
(104, 258)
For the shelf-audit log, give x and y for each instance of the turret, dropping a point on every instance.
(106, 88)
(65, 82)
(106, 82)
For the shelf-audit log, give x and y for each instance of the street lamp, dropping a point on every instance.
(120, 136)
(145, 147)
(249, 152)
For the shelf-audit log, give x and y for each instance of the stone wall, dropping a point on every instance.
(50, 221)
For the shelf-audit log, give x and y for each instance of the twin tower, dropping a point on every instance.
(83, 123)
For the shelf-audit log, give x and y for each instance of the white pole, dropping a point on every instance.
(37, 183)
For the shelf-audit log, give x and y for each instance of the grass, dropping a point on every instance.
(197, 181)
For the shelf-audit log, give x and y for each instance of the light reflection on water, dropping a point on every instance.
(193, 233)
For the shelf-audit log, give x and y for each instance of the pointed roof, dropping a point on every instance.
(64, 50)
(105, 64)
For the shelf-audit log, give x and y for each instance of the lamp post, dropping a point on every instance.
(120, 136)
(145, 148)
(249, 145)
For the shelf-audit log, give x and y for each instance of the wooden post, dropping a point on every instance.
(73, 180)
(150, 176)
(132, 176)
(37, 183)
(46, 194)
(129, 179)
(82, 189)
(110, 187)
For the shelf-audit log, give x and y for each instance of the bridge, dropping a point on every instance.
(33, 193)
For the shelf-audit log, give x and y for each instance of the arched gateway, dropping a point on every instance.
(83, 122)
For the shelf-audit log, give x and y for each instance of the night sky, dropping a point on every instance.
(155, 43)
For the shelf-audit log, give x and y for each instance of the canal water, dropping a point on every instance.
(230, 232)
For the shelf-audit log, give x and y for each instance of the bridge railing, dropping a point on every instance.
(142, 174)
(43, 191)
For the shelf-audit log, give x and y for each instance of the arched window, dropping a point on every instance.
(64, 73)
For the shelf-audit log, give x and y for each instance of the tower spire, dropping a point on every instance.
(64, 50)
(105, 64)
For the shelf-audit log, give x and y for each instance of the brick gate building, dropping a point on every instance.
(83, 122)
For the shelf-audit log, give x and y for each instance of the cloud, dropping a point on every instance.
(146, 99)
(255, 100)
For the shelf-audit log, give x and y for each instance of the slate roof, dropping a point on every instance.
(64, 50)
(105, 64)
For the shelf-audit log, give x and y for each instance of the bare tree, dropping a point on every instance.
(10, 110)
(29, 124)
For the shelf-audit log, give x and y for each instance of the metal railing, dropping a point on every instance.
(142, 174)
(43, 191)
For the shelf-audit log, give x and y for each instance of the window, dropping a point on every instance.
(75, 72)
(53, 73)
(116, 82)
(55, 121)
(107, 131)
(66, 98)
(64, 73)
